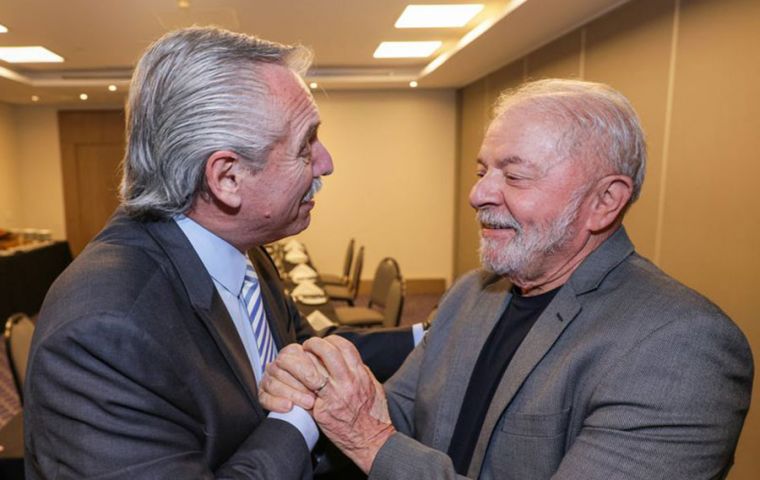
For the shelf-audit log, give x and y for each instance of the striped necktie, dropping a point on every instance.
(251, 294)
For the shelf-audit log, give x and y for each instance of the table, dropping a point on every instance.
(25, 277)
(327, 309)
(12, 457)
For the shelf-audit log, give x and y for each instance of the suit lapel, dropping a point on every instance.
(469, 338)
(548, 327)
(205, 301)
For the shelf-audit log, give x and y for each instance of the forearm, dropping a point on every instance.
(402, 457)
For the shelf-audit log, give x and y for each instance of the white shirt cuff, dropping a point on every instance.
(299, 418)
(418, 332)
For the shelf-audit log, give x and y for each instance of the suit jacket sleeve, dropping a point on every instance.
(102, 386)
(669, 408)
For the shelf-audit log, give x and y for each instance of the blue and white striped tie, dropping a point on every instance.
(251, 294)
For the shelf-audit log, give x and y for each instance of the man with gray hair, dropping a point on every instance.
(569, 356)
(150, 347)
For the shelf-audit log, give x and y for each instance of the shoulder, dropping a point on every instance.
(638, 295)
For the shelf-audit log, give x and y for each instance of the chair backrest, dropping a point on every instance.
(394, 303)
(349, 258)
(387, 271)
(357, 274)
(18, 340)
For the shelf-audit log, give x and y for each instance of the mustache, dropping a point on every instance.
(492, 219)
(316, 186)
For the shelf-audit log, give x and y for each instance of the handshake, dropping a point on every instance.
(327, 378)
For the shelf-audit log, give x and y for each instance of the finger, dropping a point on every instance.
(331, 357)
(350, 354)
(277, 392)
(285, 377)
(318, 365)
(275, 404)
(300, 367)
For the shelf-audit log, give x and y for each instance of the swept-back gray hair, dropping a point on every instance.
(596, 120)
(196, 91)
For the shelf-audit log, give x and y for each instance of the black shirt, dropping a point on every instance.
(506, 337)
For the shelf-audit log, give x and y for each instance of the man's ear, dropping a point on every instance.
(610, 198)
(224, 174)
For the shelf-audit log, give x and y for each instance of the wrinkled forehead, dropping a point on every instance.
(291, 99)
(551, 136)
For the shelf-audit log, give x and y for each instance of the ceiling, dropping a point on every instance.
(101, 40)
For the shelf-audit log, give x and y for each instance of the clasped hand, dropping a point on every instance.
(327, 377)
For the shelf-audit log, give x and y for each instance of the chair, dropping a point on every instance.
(332, 279)
(18, 340)
(347, 293)
(386, 299)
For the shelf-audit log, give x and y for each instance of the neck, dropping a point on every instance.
(216, 222)
(558, 268)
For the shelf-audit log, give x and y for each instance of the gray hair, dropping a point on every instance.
(599, 121)
(194, 92)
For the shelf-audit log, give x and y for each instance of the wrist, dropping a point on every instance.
(365, 457)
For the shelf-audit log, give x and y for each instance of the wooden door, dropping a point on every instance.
(92, 147)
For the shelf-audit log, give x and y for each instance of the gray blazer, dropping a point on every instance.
(627, 374)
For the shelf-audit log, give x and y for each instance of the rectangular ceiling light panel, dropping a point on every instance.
(438, 16)
(406, 49)
(35, 54)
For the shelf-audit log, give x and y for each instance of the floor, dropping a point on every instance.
(416, 309)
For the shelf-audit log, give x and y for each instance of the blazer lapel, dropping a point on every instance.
(205, 301)
(547, 329)
(549, 326)
(465, 349)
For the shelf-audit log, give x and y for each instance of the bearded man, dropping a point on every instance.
(569, 356)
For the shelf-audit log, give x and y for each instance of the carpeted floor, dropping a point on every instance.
(416, 309)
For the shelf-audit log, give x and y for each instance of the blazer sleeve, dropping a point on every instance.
(106, 403)
(403, 457)
(671, 407)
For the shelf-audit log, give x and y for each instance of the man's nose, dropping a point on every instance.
(322, 160)
(485, 192)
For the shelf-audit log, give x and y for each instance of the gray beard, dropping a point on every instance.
(522, 258)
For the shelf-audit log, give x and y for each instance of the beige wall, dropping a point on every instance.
(40, 169)
(394, 159)
(691, 69)
(393, 186)
(31, 194)
(10, 215)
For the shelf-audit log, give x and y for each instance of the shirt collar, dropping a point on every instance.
(225, 263)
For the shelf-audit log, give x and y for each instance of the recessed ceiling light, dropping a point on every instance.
(35, 98)
(83, 96)
(35, 54)
(313, 85)
(3, 29)
(406, 49)
(438, 16)
(112, 88)
(413, 84)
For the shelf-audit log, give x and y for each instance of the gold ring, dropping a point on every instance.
(324, 384)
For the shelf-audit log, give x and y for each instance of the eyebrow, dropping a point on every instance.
(503, 162)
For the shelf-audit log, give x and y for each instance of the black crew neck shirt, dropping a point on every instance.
(511, 329)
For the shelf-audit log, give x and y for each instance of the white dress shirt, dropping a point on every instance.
(227, 266)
